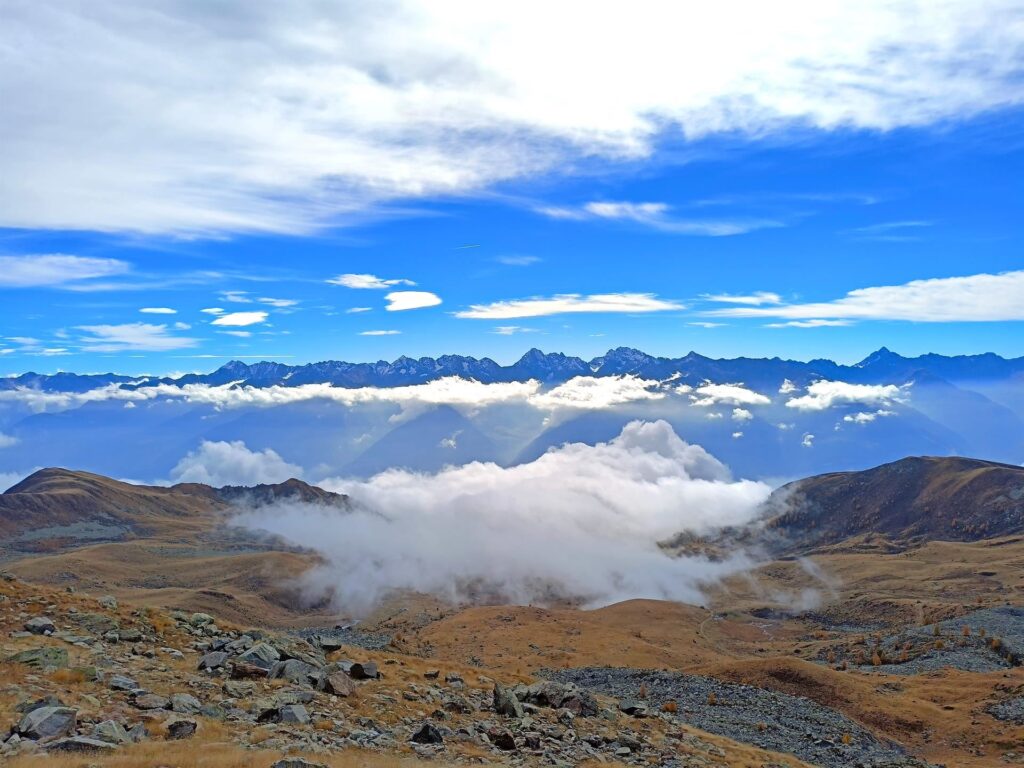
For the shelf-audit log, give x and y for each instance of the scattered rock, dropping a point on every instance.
(111, 732)
(338, 684)
(121, 683)
(200, 619)
(633, 707)
(261, 655)
(297, 762)
(185, 703)
(108, 601)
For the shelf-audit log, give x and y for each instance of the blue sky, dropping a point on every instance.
(504, 226)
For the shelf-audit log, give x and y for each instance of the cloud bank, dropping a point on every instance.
(284, 117)
(580, 522)
(232, 463)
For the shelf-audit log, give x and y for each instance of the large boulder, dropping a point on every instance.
(47, 723)
(336, 683)
(366, 670)
(295, 671)
(213, 660)
(547, 693)
(293, 714)
(151, 701)
(506, 703)
(300, 650)
(185, 703)
(261, 655)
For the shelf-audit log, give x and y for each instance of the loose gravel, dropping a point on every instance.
(767, 719)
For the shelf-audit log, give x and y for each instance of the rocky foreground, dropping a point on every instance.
(85, 675)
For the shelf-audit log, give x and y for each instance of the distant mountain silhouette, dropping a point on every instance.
(883, 366)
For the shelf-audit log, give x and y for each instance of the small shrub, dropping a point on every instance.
(642, 693)
(712, 699)
(670, 706)
(876, 659)
(996, 643)
(847, 739)
(966, 631)
(939, 645)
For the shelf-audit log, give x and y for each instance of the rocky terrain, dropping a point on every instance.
(86, 675)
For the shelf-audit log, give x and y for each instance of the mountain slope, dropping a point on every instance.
(909, 501)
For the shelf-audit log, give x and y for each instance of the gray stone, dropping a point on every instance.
(121, 683)
(501, 738)
(506, 703)
(138, 733)
(181, 729)
(48, 723)
(297, 762)
(294, 671)
(81, 744)
(40, 625)
(108, 601)
(427, 734)
(185, 703)
(338, 684)
(111, 732)
(42, 658)
(295, 714)
(200, 619)
(364, 671)
(633, 707)
(151, 701)
(261, 655)
(213, 660)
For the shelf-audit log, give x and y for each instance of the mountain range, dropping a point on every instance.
(882, 366)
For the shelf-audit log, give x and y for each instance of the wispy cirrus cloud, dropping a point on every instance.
(56, 270)
(570, 303)
(139, 337)
(971, 298)
(657, 216)
(379, 333)
(890, 231)
(753, 299)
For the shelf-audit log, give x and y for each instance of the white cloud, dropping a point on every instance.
(371, 282)
(399, 301)
(708, 394)
(232, 463)
(598, 393)
(741, 414)
(737, 435)
(569, 303)
(822, 395)
(357, 310)
(140, 337)
(581, 521)
(241, 318)
(787, 387)
(236, 297)
(182, 326)
(817, 323)
(510, 330)
(753, 299)
(279, 303)
(54, 269)
(656, 216)
(379, 333)
(213, 311)
(866, 417)
(158, 311)
(808, 440)
(974, 298)
(318, 111)
(699, 324)
(517, 261)
(239, 334)
(6, 441)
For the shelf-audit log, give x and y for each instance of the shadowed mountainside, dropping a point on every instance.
(910, 501)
